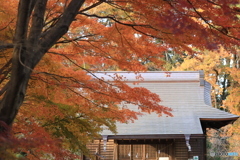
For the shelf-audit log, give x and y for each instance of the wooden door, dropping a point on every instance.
(138, 151)
(124, 152)
(150, 151)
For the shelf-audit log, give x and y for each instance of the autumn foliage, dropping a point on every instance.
(51, 49)
(222, 71)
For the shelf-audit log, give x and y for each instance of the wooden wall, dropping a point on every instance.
(197, 145)
(98, 152)
(175, 149)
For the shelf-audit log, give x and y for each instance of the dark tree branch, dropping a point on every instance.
(7, 25)
(132, 25)
(75, 39)
(6, 45)
(23, 20)
(115, 20)
(54, 76)
(88, 71)
(37, 23)
(7, 65)
(5, 74)
(92, 6)
(213, 2)
(50, 37)
(211, 25)
(4, 89)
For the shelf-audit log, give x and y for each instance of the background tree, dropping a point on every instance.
(59, 44)
(222, 71)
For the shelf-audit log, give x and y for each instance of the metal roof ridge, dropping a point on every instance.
(157, 76)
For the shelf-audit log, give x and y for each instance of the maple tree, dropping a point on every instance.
(59, 44)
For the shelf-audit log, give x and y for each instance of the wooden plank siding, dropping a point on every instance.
(181, 151)
(175, 149)
(98, 152)
(197, 146)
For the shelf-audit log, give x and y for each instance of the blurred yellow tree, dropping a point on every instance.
(222, 71)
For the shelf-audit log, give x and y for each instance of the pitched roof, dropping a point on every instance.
(185, 92)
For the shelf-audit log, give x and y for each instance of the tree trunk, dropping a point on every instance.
(30, 46)
(16, 91)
